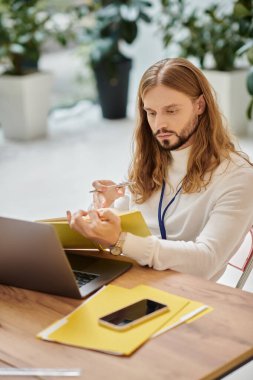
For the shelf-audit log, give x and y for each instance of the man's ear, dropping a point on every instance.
(200, 104)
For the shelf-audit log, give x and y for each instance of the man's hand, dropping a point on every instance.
(105, 195)
(102, 226)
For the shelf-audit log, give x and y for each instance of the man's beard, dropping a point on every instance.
(182, 138)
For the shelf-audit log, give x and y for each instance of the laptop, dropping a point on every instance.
(32, 257)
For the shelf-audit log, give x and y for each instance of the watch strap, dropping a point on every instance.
(117, 248)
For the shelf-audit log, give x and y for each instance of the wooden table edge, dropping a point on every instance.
(231, 366)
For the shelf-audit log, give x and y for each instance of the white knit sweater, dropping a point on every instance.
(204, 229)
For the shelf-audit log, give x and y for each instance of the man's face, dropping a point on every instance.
(172, 116)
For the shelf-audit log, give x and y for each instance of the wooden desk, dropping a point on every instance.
(205, 349)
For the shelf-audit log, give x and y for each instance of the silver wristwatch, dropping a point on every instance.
(116, 249)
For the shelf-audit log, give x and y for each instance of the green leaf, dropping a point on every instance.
(245, 48)
(128, 31)
(250, 55)
(81, 10)
(108, 12)
(250, 109)
(25, 38)
(249, 81)
(145, 3)
(3, 51)
(61, 38)
(129, 12)
(145, 17)
(240, 11)
(101, 49)
(40, 36)
(17, 49)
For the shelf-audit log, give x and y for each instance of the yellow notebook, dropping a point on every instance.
(81, 327)
(131, 221)
(68, 237)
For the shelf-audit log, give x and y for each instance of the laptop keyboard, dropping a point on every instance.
(83, 278)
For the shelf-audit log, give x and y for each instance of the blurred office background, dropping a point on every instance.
(44, 177)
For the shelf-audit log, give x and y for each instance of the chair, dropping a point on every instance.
(243, 259)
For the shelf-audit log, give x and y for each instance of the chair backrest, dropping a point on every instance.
(243, 259)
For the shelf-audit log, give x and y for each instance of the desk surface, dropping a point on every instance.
(204, 349)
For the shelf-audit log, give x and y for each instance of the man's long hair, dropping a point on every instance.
(212, 142)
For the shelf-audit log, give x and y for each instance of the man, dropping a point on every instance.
(191, 185)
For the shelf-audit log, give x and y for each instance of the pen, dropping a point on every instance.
(121, 184)
(26, 372)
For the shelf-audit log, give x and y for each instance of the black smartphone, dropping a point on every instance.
(133, 314)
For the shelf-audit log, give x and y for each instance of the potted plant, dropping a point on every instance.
(211, 35)
(243, 11)
(24, 91)
(105, 25)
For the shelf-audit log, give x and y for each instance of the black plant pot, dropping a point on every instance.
(112, 84)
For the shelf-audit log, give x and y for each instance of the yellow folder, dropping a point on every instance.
(189, 313)
(131, 221)
(81, 327)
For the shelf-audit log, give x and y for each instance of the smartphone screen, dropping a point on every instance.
(133, 314)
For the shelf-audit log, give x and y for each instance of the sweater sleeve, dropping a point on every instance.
(229, 220)
(122, 203)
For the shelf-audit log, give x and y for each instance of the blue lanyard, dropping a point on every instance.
(161, 215)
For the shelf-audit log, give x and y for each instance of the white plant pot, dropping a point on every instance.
(232, 97)
(24, 105)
